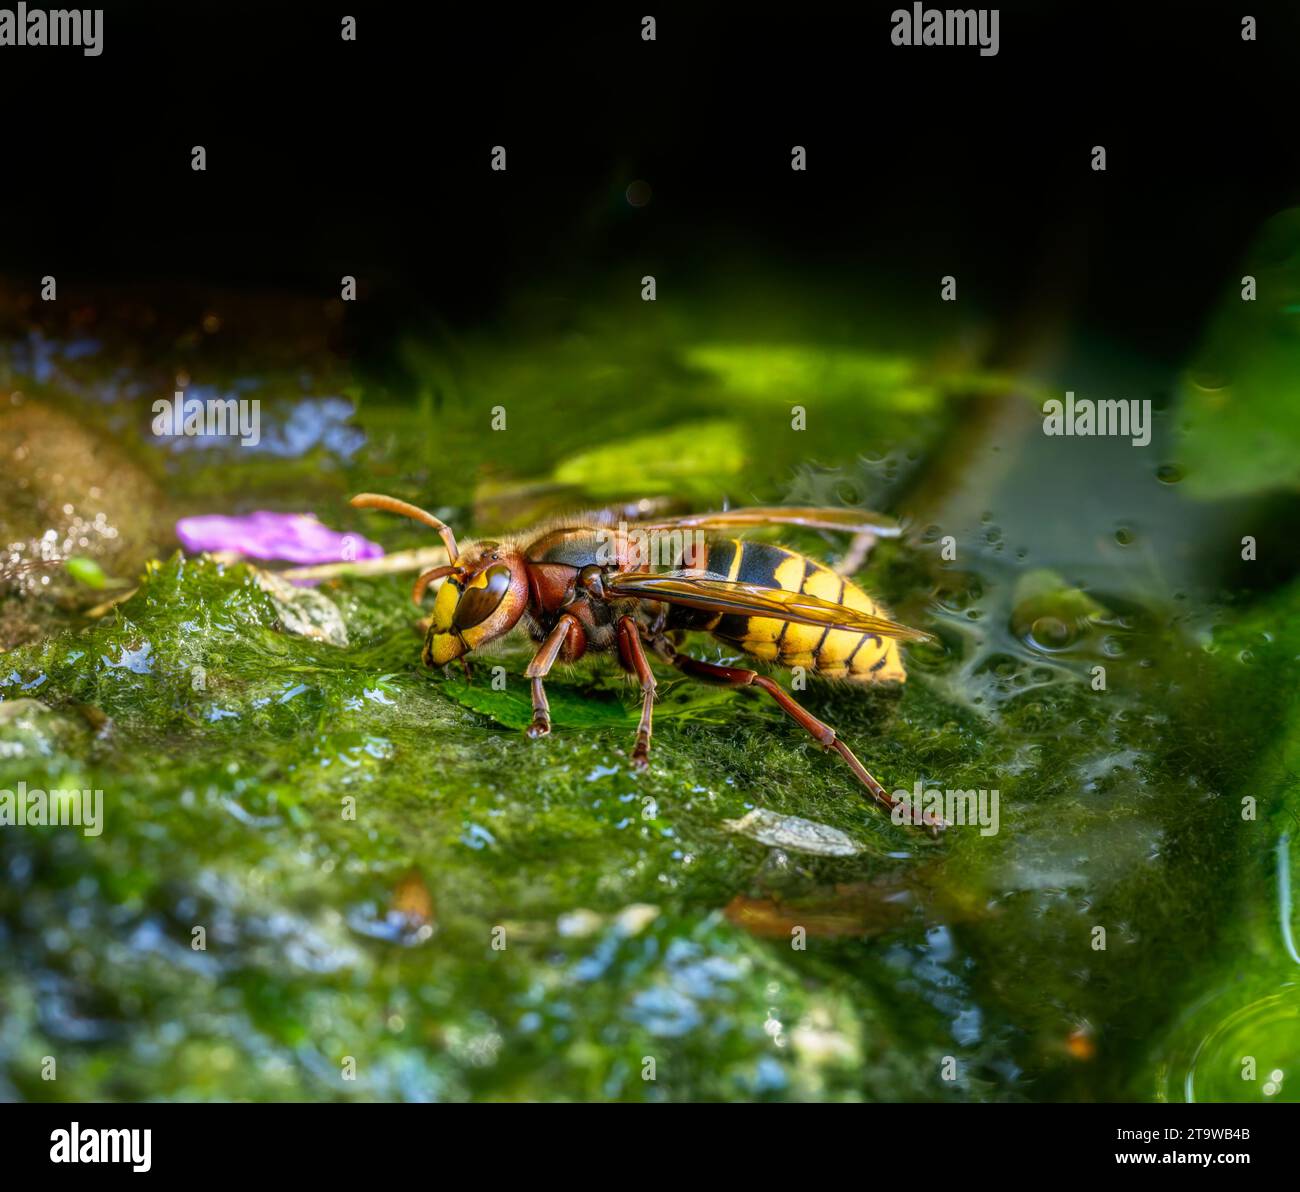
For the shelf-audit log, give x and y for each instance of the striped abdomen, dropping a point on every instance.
(834, 653)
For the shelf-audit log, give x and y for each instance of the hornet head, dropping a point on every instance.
(485, 593)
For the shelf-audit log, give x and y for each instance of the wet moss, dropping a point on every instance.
(581, 927)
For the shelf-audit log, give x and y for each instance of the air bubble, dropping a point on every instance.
(1050, 633)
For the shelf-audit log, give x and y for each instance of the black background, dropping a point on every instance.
(334, 1143)
(372, 158)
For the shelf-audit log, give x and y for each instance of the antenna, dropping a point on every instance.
(393, 505)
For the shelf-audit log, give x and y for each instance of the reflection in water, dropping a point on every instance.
(1284, 895)
(1250, 1054)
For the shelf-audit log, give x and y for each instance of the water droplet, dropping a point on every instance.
(1169, 473)
(1050, 633)
(1125, 536)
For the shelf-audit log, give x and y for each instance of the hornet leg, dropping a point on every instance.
(733, 676)
(539, 668)
(632, 654)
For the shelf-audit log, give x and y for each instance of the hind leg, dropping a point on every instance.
(733, 676)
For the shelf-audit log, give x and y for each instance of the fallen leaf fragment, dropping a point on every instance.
(791, 831)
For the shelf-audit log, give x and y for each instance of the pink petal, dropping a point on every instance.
(291, 537)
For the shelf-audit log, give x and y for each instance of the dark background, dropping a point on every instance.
(372, 158)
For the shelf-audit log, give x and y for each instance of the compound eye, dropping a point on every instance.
(481, 597)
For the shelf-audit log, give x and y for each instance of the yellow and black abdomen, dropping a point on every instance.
(833, 653)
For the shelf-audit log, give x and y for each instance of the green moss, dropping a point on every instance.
(582, 920)
(258, 741)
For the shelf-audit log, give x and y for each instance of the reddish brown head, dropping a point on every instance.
(483, 599)
(485, 593)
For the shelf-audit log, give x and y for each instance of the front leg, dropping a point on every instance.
(632, 654)
(540, 667)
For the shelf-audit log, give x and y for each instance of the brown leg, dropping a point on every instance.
(734, 676)
(539, 668)
(633, 656)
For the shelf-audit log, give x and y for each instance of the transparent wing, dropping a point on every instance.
(712, 593)
(851, 521)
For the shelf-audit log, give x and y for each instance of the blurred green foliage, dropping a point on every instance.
(1240, 413)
